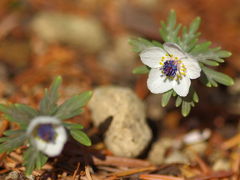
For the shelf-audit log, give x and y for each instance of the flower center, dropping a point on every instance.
(170, 68)
(46, 132)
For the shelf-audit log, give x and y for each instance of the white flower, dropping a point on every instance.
(196, 136)
(47, 134)
(171, 68)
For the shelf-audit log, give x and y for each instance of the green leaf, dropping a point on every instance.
(214, 76)
(166, 97)
(186, 108)
(178, 101)
(27, 109)
(48, 104)
(71, 126)
(169, 31)
(195, 25)
(72, 106)
(41, 160)
(156, 43)
(10, 143)
(195, 97)
(214, 54)
(189, 37)
(139, 44)
(201, 48)
(141, 70)
(13, 132)
(33, 159)
(19, 113)
(209, 62)
(81, 137)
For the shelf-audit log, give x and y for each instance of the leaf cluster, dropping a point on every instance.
(23, 114)
(188, 39)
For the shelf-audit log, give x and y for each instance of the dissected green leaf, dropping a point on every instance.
(33, 159)
(139, 44)
(190, 36)
(169, 31)
(12, 142)
(13, 132)
(141, 70)
(72, 106)
(20, 113)
(81, 137)
(209, 62)
(201, 48)
(41, 160)
(215, 77)
(156, 43)
(48, 104)
(214, 54)
(166, 97)
(27, 109)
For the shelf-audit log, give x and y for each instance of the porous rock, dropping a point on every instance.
(128, 134)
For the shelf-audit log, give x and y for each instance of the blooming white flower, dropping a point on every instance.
(47, 134)
(171, 68)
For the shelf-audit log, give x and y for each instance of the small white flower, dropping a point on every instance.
(196, 136)
(171, 68)
(47, 134)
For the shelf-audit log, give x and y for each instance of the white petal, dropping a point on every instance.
(182, 87)
(41, 120)
(152, 56)
(49, 148)
(196, 136)
(193, 68)
(174, 49)
(157, 83)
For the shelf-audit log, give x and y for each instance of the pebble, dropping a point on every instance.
(222, 165)
(198, 148)
(159, 149)
(14, 175)
(177, 157)
(80, 31)
(128, 134)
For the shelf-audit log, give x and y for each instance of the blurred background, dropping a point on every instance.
(86, 41)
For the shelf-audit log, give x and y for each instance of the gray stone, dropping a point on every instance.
(128, 134)
(85, 32)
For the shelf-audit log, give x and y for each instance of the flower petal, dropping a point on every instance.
(41, 120)
(152, 56)
(174, 49)
(193, 68)
(49, 148)
(182, 87)
(52, 148)
(157, 83)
